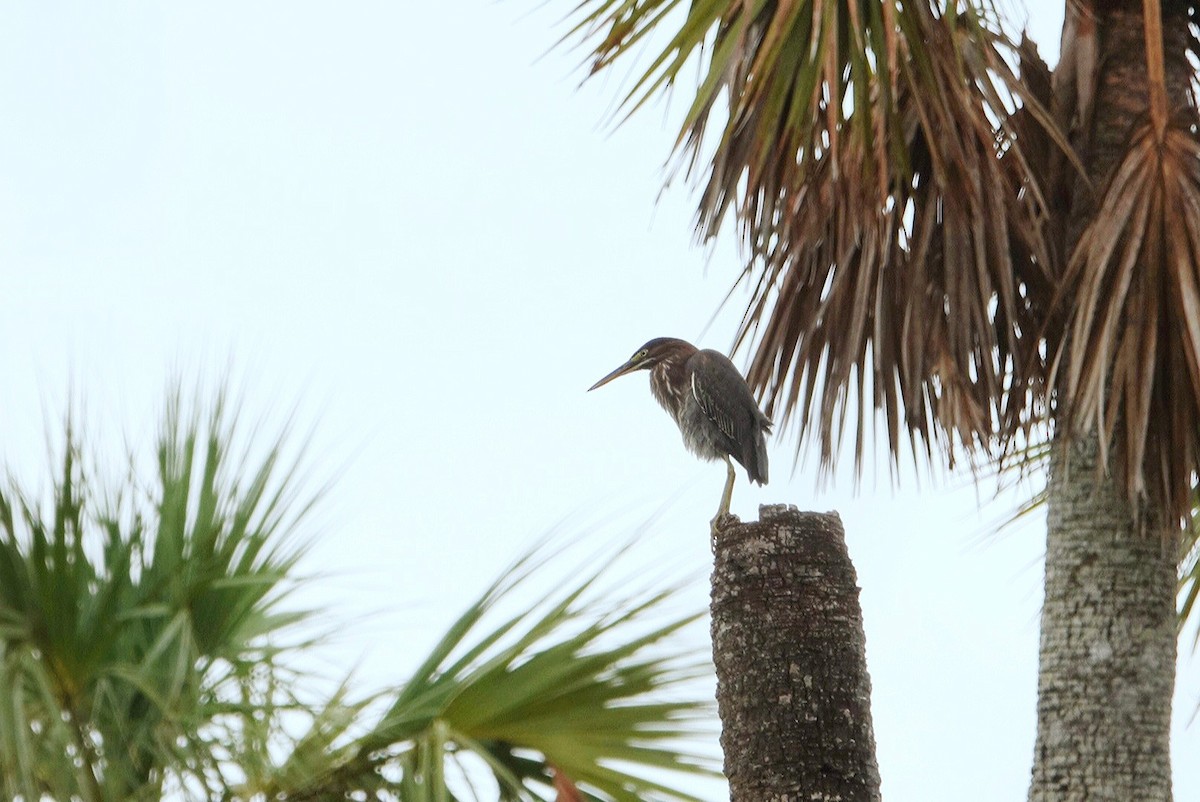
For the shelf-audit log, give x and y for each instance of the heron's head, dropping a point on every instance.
(657, 350)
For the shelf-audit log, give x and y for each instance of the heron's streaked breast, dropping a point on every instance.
(671, 395)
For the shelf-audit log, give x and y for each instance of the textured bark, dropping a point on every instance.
(1107, 646)
(792, 685)
(1107, 652)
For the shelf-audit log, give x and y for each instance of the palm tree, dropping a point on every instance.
(980, 253)
(147, 652)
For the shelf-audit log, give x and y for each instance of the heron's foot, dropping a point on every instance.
(723, 520)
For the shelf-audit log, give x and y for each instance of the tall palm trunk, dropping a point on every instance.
(1108, 644)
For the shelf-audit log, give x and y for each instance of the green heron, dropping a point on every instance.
(711, 403)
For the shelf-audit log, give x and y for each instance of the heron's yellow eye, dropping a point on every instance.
(639, 356)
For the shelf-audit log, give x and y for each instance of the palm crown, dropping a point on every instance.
(903, 181)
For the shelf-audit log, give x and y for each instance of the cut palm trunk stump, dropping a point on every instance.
(792, 685)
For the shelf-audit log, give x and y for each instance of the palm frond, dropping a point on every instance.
(873, 158)
(1130, 366)
(566, 691)
(146, 652)
(126, 625)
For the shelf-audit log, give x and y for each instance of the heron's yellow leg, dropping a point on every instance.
(727, 496)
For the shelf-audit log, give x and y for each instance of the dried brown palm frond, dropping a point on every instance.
(1131, 299)
(920, 275)
(925, 287)
(892, 216)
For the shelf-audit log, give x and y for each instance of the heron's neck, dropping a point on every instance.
(670, 384)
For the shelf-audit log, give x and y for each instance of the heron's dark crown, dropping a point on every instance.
(660, 349)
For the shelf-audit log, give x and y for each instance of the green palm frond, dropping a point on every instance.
(1189, 578)
(146, 652)
(872, 155)
(128, 626)
(566, 690)
(1189, 572)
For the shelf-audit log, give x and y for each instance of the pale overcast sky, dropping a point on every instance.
(407, 219)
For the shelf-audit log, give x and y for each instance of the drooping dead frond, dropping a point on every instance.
(1131, 299)
(906, 278)
(892, 219)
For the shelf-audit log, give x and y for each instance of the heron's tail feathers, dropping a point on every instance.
(755, 460)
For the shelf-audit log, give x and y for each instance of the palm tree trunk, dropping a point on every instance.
(1107, 668)
(1108, 642)
(792, 685)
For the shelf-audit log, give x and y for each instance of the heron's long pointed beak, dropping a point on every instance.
(628, 367)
